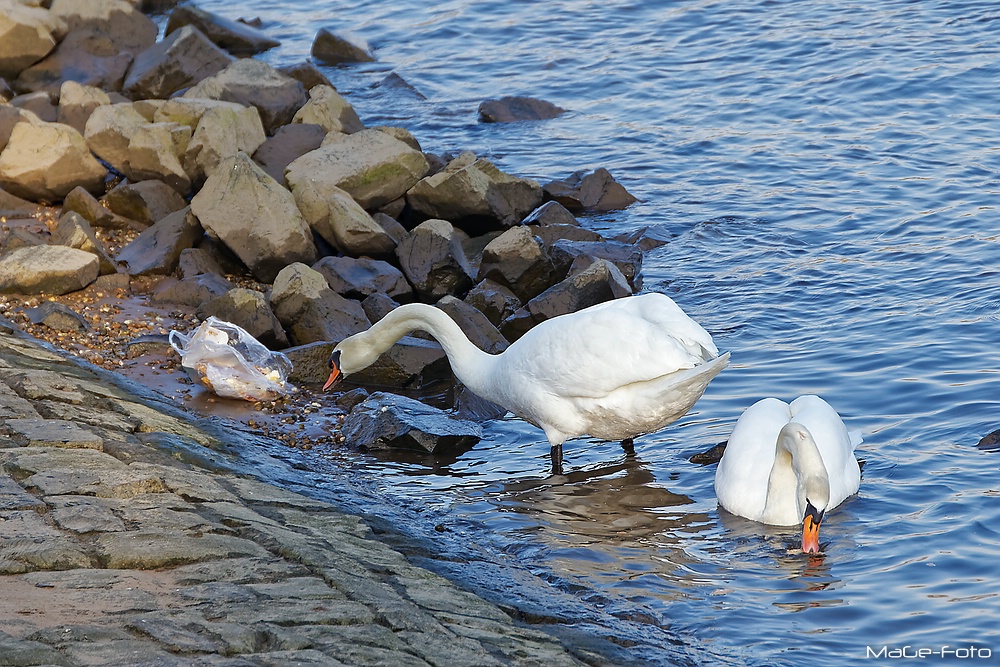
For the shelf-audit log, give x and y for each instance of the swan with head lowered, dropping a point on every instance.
(612, 371)
(788, 464)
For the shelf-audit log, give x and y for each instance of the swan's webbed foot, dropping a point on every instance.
(556, 454)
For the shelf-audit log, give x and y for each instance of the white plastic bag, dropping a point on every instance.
(231, 362)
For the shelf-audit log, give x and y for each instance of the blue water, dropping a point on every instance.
(828, 173)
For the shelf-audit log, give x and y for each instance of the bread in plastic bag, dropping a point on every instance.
(231, 362)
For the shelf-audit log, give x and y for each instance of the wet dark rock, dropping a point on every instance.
(476, 197)
(84, 203)
(710, 456)
(192, 291)
(84, 56)
(39, 103)
(254, 216)
(551, 213)
(179, 61)
(991, 441)
(156, 344)
(351, 398)
(589, 191)
(129, 30)
(391, 225)
(358, 278)
(433, 260)
(328, 109)
(50, 270)
(288, 143)
(27, 35)
(398, 84)
(373, 167)
(57, 316)
(307, 73)
(476, 326)
(378, 305)
(512, 109)
(518, 260)
(389, 421)
(494, 300)
(331, 49)
(600, 282)
(157, 250)
(196, 261)
(248, 309)
(251, 82)
(145, 201)
(310, 362)
(645, 238)
(310, 310)
(628, 258)
(235, 37)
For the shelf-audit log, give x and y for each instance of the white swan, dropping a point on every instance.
(788, 464)
(612, 371)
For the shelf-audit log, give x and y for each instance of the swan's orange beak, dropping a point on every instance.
(810, 535)
(335, 373)
(332, 380)
(810, 529)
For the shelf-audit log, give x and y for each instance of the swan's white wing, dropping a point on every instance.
(835, 445)
(602, 348)
(742, 475)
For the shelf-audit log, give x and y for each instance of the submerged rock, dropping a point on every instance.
(237, 38)
(512, 109)
(385, 421)
(331, 49)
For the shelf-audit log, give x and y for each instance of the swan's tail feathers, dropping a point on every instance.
(856, 438)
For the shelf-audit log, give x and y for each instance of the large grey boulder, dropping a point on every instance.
(251, 82)
(157, 250)
(476, 197)
(249, 310)
(110, 129)
(600, 282)
(75, 232)
(371, 166)
(129, 29)
(331, 49)
(27, 34)
(156, 150)
(180, 60)
(222, 131)
(329, 110)
(595, 190)
(84, 56)
(50, 270)
(433, 260)
(311, 311)
(358, 278)
(384, 421)
(288, 143)
(518, 260)
(340, 220)
(254, 217)
(237, 38)
(45, 161)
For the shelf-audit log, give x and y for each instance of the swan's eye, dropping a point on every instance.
(335, 359)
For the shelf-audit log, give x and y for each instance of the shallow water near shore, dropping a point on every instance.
(828, 175)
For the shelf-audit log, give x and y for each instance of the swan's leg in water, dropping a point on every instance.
(556, 454)
(628, 446)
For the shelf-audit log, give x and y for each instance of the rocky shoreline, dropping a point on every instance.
(191, 178)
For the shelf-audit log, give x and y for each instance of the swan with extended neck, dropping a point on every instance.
(788, 464)
(612, 371)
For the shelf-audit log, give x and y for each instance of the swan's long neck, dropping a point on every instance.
(471, 365)
(798, 471)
